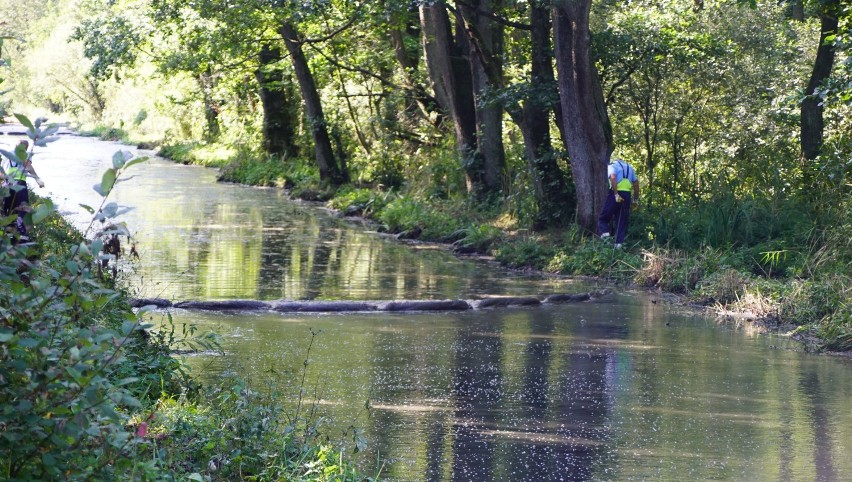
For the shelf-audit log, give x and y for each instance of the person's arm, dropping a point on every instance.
(29, 168)
(636, 192)
(614, 187)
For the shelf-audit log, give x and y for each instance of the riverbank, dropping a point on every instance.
(789, 281)
(799, 291)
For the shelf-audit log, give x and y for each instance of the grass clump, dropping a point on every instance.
(823, 306)
(353, 201)
(204, 154)
(108, 133)
(416, 219)
(594, 257)
(526, 251)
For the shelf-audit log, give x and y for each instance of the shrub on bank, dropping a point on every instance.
(82, 376)
(365, 202)
(525, 251)
(68, 385)
(594, 257)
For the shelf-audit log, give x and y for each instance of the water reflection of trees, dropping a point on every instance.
(531, 400)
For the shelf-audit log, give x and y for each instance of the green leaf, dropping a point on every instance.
(51, 130)
(135, 161)
(11, 155)
(42, 211)
(110, 210)
(25, 121)
(88, 208)
(45, 141)
(107, 182)
(28, 342)
(118, 160)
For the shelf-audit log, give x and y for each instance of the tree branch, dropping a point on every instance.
(495, 17)
(326, 37)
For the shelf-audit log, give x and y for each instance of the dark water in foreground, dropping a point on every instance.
(616, 389)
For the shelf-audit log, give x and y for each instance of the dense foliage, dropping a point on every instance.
(459, 118)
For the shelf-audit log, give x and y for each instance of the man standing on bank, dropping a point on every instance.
(14, 176)
(622, 179)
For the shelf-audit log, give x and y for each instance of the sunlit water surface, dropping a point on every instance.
(620, 388)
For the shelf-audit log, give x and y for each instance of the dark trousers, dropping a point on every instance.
(18, 195)
(617, 213)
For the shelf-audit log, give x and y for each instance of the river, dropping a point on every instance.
(618, 388)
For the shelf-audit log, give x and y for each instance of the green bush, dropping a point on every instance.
(181, 152)
(723, 221)
(63, 405)
(108, 133)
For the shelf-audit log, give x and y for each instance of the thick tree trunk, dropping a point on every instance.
(328, 166)
(811, 112)
(552, 195)
(449, 73)
(587, 129)
(488, 40)
(278, 126)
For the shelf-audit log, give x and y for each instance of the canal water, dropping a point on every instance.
(618, 388)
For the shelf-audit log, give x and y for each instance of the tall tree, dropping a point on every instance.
(812, 123)
(539, 98)
(587, 129)
(451, 78)
(279, 133)
(329, 169)
(529, 104)
(405, 25)
(485, 41)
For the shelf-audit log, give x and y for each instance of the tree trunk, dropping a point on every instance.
(587, 129)
(278, 127)
(488, 40)
(553, 198)
(417, 98)
(450, 75)
(811, 112)
(795, 9)
(328, 168)
(211, 108)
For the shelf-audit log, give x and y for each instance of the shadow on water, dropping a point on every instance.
(613, 389)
